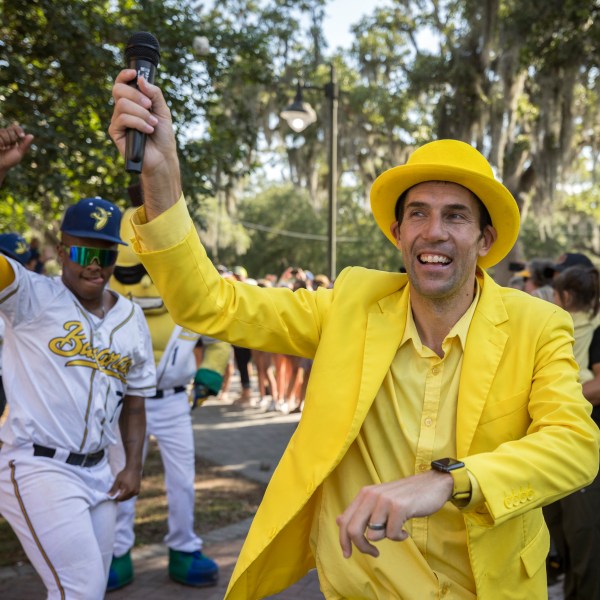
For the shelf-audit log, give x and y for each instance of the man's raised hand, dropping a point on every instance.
(144, 108)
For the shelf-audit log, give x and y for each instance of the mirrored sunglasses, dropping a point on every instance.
(84, 256)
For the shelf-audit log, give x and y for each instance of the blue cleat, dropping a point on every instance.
(192, 568)
(120, 573)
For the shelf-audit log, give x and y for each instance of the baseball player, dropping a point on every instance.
(168, 420)
(13, 245)
(77, 361)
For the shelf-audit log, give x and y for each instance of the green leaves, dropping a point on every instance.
(518, 79)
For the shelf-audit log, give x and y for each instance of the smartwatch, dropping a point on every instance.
(461, 492)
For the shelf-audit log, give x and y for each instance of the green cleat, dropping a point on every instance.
(192, 568)
(120, 573)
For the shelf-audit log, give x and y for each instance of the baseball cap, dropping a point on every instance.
(94, 218)
(13, 245)
(240, 272)
(570, 259)
(321, 279)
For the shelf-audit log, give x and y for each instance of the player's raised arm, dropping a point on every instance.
(14, 143)
(145, 109)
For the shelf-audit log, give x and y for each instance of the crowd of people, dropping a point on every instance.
(281, 378)
(442, 413)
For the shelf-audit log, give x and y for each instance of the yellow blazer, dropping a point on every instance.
(523, 426)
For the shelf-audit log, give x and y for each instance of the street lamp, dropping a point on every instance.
(299, 115)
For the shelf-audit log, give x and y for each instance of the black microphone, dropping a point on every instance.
(142, 53)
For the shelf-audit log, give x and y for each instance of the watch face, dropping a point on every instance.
(447, 464)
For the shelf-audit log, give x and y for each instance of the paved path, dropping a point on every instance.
(247, 441)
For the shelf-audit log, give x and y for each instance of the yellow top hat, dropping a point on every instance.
(457, 162)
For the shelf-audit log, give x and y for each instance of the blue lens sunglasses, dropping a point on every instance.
(84, 256)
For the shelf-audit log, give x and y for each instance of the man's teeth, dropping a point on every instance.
(434, 258)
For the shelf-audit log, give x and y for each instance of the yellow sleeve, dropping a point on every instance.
(199, 299)
(7, 275)
(156, 235)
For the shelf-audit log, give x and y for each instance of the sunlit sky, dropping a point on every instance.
(341, 15)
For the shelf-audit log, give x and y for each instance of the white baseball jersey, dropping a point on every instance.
(65, 370)
(1, 343)
(177, 365)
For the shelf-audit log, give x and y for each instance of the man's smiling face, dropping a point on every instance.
(440, 237)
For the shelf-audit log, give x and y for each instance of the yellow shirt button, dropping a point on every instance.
(435, 370)
(428, 422)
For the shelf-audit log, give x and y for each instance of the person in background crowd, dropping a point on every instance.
(574, 521)
(537, 278)
(552, 512)
(243, 356)
(169, 421)
(443, 411)
(517, 281)
(36, 257)
(321, 281)
(576, 289)
(265, 370)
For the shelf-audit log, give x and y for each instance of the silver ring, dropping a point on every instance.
(377, 526)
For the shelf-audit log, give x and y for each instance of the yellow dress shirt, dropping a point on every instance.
(411, 422)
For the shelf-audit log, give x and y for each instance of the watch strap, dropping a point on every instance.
(461, 492)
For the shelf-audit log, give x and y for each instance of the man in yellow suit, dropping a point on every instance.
(443, 411)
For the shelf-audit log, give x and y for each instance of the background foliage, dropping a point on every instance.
(519, 80)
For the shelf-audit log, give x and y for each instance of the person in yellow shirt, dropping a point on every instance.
(443, 411)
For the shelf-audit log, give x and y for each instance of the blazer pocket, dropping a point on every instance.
(496, 409)
(535, 552)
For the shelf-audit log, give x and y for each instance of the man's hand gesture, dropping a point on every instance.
(380, 511)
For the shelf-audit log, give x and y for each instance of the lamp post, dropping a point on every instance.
(299, 115)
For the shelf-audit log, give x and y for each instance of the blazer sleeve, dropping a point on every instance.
(199, 299)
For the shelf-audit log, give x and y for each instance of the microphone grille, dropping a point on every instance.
(143, 44)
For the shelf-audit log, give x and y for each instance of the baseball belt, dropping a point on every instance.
(162, 393)
(78, 460)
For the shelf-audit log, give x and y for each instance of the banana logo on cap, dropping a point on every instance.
(100, 215)
(21, 247)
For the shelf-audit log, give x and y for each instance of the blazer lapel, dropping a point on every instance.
(382, 337)
(484, 349)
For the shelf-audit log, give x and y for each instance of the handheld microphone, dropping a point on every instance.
(142, 53)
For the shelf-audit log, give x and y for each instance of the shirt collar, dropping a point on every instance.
(459, 330)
